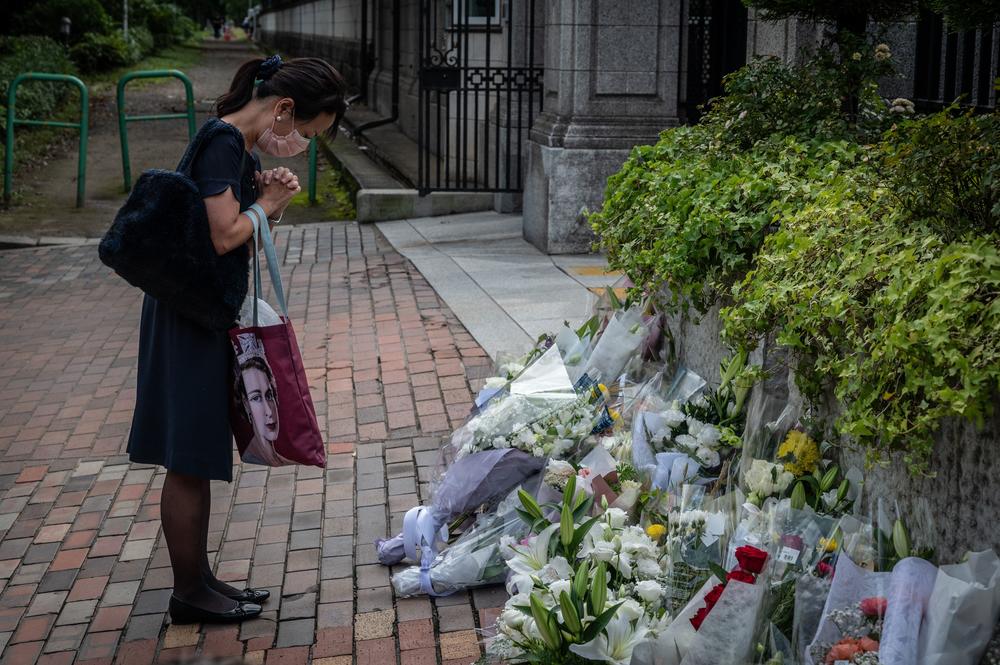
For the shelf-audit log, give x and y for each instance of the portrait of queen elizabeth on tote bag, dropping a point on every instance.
(257, 393)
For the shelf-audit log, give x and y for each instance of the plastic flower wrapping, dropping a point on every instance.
(638, 513)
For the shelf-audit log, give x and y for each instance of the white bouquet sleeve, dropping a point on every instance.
(963, 609)
(672, 644)
(475, 559)
(726, 637)
(620, 341)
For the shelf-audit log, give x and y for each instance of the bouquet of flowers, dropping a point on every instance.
(475, 559)
(581, 587)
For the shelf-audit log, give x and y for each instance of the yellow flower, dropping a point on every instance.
(799, 453)
(614, 414)
(656, 531)
(828, 545)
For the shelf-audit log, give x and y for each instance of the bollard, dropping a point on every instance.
(12, 120)
(124, 119)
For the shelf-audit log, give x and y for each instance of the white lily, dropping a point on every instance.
(615, 643)
(529, 560)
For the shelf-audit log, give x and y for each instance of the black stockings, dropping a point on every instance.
(185, 506)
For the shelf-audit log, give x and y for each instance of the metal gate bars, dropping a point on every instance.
(479, 93)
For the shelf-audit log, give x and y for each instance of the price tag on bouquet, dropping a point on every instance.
(788, 555)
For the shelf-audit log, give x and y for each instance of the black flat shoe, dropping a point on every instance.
(182, 613)
(251, 595)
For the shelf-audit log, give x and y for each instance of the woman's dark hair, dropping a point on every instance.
(314, 85)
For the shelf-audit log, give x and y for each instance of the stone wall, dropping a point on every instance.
(327, 29)
(954, 511)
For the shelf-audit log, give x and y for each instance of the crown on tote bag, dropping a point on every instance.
(249, 347)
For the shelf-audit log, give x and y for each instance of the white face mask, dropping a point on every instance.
(288, 145)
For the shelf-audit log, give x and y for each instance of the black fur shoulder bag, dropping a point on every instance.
(160, 242)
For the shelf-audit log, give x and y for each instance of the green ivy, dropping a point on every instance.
(903, 324)
(866, 242)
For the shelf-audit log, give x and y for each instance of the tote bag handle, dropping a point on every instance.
(262, 236)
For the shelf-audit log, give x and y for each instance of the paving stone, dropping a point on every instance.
(461, 644)
(372, 625)
(77, 612)
(297, 632)
(82, 546)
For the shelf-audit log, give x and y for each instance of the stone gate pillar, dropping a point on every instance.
(611, 82)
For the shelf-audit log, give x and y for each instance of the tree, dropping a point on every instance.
(850, 16)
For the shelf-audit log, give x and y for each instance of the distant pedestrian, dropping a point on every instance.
(217, 26)
(186, 371)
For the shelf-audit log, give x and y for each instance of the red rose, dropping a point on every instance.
(741, 576)
(824, 569)
(874, 606)
(698, 617)
(751, 559)
(712, 597)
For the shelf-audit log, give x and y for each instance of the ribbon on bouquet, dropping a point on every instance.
(420, 529)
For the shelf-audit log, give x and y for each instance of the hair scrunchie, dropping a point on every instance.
(269, 67)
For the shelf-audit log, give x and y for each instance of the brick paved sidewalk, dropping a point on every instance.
(84, 574)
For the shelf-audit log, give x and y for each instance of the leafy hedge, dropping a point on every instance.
(867, 242)
(22, 54)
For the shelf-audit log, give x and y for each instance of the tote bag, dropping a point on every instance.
(272, 414)
(160, 242)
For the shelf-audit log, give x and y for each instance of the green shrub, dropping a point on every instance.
(961, 192)
(35, 99)
(902, 324)
(44, 18)
(95, 53)
(684, 216)
(866, 242)
(141, 42)
(167, 24)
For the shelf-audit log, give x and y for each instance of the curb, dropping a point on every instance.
(21, 242)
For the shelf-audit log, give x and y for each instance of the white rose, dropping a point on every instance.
(686, 440)
(603, 551)
(630, 609)
(648, 567)
(673, 417)
(694, 426)
(512, 619)
(709, 436)
(708, 457)
(649, 590)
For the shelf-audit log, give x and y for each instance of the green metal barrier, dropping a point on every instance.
(12, 120)
(312, 171)
(123, 119)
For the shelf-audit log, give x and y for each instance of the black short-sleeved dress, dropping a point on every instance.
(181, 418)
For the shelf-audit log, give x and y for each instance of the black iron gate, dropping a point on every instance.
(954, 66)
(479, 93)
(716, 46)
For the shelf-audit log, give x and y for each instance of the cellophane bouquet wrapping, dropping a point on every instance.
(476, 558)
(964, 607)
(873, 617)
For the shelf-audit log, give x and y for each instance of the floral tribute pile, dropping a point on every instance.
(635, 519)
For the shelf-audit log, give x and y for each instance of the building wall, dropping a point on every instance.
(329, 29)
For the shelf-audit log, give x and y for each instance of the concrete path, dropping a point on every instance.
(504, 291)
(84, 574)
